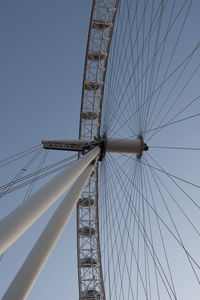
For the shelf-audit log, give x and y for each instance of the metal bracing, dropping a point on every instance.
(18, 221)
(28, 273)
(100, 33)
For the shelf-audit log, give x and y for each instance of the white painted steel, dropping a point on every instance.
(18, 221)
(124, 146)
(31, 268)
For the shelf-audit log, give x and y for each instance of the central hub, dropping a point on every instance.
(128, 146)
(111, 145)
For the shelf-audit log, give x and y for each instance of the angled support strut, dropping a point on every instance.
(28, 273)
(18, 221)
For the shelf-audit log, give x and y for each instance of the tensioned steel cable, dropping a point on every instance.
(159, 216)
(122, 81)
(121, 249)
(170, 61)
(183, 109)
(22, 181)
(116, 264)
(19, 155)
(166, 224)
(140, 221)
(171, 176)
(173, 198)
(136, 66)
(7, 188)
(161, 43)
(157, 89)
(31, 186)
(173, 222)
(60, 162)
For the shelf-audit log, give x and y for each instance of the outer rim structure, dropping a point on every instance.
(103, 14)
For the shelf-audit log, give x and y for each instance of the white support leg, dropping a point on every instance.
(28, 273)
(18, 221)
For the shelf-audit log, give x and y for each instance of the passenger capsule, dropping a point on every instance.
(100, 25)
(92, 86)
(92, 174)
(89, 115)
(86, 231)
(86, 202)
(91, 295)
(88, 262)
(96, 56)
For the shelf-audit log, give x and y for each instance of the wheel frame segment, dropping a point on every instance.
(90, 273)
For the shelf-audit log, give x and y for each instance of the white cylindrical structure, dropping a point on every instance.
(124, 146)
(28, 273)
(18, 221)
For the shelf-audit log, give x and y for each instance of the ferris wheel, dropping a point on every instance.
(136, 181)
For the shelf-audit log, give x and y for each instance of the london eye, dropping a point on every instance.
(135, 178)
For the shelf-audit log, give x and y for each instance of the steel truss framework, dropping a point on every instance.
(89, 258)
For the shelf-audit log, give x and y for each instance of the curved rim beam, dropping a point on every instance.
(99, 38)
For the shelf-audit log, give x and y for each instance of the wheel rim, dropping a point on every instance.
(103, 13)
